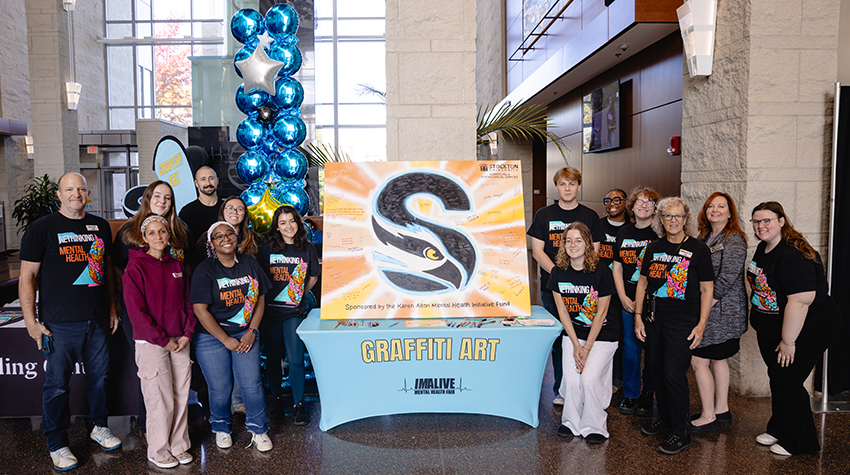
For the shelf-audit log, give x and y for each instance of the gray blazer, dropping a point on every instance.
(728, 317)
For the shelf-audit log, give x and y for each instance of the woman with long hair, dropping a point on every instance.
(795, 321)
(582, 290)
(719, 228)
(672, 299)
(292, 264)
(235, 212)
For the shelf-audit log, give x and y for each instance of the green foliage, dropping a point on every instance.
(319, 154)
(39, 200)
(517, 122)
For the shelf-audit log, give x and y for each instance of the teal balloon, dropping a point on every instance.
(291, 165)
(289, 55)
(289, 94)
(253, 194)
(269, 147)
(296, 197)
(250, 133)
(251, 101)
(252, 166)
(241, 55)
(246, 24)
(282, 21)
(289, 131)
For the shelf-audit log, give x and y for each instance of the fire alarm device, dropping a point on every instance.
(675, 145)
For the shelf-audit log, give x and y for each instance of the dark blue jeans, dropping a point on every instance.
(632, 349)
(280, 335)
(70, 340)
(557, 350)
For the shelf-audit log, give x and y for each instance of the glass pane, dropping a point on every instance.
(360, 63)
(324, 28)
(171, 9)
(361, 27)
(94, 189)
(324, 115)
(207, 30)
(325, 135)
(134, 174)
(119, 10)
(143, 9)
(324, 73)
(362, 8)
(362, 114)
(178, 115)
(134, 159)
(173, 75)
(207, 9)
(144, 30)
(173, 30)
(119, 30)
(119, 187)
(364, 145)
(146, 112)
(120, 75)
(122, 119)
(324, 8)
(116, 159)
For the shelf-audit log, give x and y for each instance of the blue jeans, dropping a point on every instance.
(279, 335)
(632, 348)
(70, 340)
(220, 366)
(557, 350)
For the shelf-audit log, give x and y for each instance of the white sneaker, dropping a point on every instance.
(170, 462)
(766, 439)
(779, 450)
(261, 442)
(104, 437)
(184, 458)
(63, 459)
(223, 440)
(558, 401)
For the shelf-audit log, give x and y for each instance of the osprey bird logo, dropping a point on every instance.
(419, 255)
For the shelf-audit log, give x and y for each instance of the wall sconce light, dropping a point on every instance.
(72, 90)
(68, 5)
(30, 147)
(697, 20)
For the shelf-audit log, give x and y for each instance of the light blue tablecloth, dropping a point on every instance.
(371, 371)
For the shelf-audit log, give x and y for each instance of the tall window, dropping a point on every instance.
(351, 77)
(149, 44)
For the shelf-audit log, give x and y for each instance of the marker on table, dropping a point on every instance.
(394, 324)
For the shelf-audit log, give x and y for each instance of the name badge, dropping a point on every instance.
(686, 253)
(92, 227)
(177, 275)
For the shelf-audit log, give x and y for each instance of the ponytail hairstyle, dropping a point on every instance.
(562, 260)
(790, 235)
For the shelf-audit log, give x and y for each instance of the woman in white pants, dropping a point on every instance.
(582, 292)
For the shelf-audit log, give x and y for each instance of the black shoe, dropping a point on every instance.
(654, 427)
(278, 409)
(675, 445)
(565, 431)
(299, 415)
(723, 417)
(712, 426)
(644, 404)
(595, 438)
(628, 406)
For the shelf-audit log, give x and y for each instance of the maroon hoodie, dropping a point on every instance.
(157, 297)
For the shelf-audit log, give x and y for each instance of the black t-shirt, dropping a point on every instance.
(549, 224)
(580, 292)
(199, 217)
(606, 247)
(72, 252)
(230, 292)
(782, 272)
(288, 272)
(628, 251)
(674, 272)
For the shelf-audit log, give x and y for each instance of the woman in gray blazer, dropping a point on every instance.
(720, 229)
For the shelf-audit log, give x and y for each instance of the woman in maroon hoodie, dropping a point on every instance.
(156, 293)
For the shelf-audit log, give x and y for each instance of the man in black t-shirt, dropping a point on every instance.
(64, 256)
(546, 231)
(200, 214)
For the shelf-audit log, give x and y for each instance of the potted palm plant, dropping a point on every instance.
(39, 199)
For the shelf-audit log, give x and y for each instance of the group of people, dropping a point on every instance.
(200, 286)
(677, 285)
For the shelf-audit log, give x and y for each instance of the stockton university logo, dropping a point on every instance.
(419, 255)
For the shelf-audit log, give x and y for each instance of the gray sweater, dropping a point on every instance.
(728, 317)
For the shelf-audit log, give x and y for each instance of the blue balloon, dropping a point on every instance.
(289, 131)
(250, 133)
(251, 166)
(252, 101)
(241, 55)
(282, 21)
(270, 148)
(253, 194)
(289, 55)
(296, 197)
(291, 165)
(246, 24)
(289, 94)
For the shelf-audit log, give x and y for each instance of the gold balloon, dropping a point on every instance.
(262, 212)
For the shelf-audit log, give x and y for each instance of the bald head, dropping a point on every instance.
(207, 181)
(71, 175)
(73, 195)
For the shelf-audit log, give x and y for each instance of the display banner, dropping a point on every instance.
(424, 240)
(171, 165)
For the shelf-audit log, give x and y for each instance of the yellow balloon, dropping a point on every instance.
(262, 212)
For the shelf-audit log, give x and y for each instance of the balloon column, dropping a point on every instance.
(273, 167)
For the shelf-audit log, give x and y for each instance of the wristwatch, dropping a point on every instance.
(254, 331)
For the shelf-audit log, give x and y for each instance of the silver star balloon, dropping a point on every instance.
(271, 181)
(265, 40)
(259, 71)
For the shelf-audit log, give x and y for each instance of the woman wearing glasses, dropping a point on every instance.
(720, 230)
(673, 298)
(628, 253)
(228, 298)
(795, 320)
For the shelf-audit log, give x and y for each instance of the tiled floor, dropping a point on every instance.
(446, 444)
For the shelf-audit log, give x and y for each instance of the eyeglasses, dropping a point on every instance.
(222, 236)
(608, 201)
(237, 209)
(671, 217)
(765, 221)
(644, 203)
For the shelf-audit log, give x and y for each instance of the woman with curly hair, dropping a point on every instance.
(582, 291)
(795, 321)
(673, 299)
